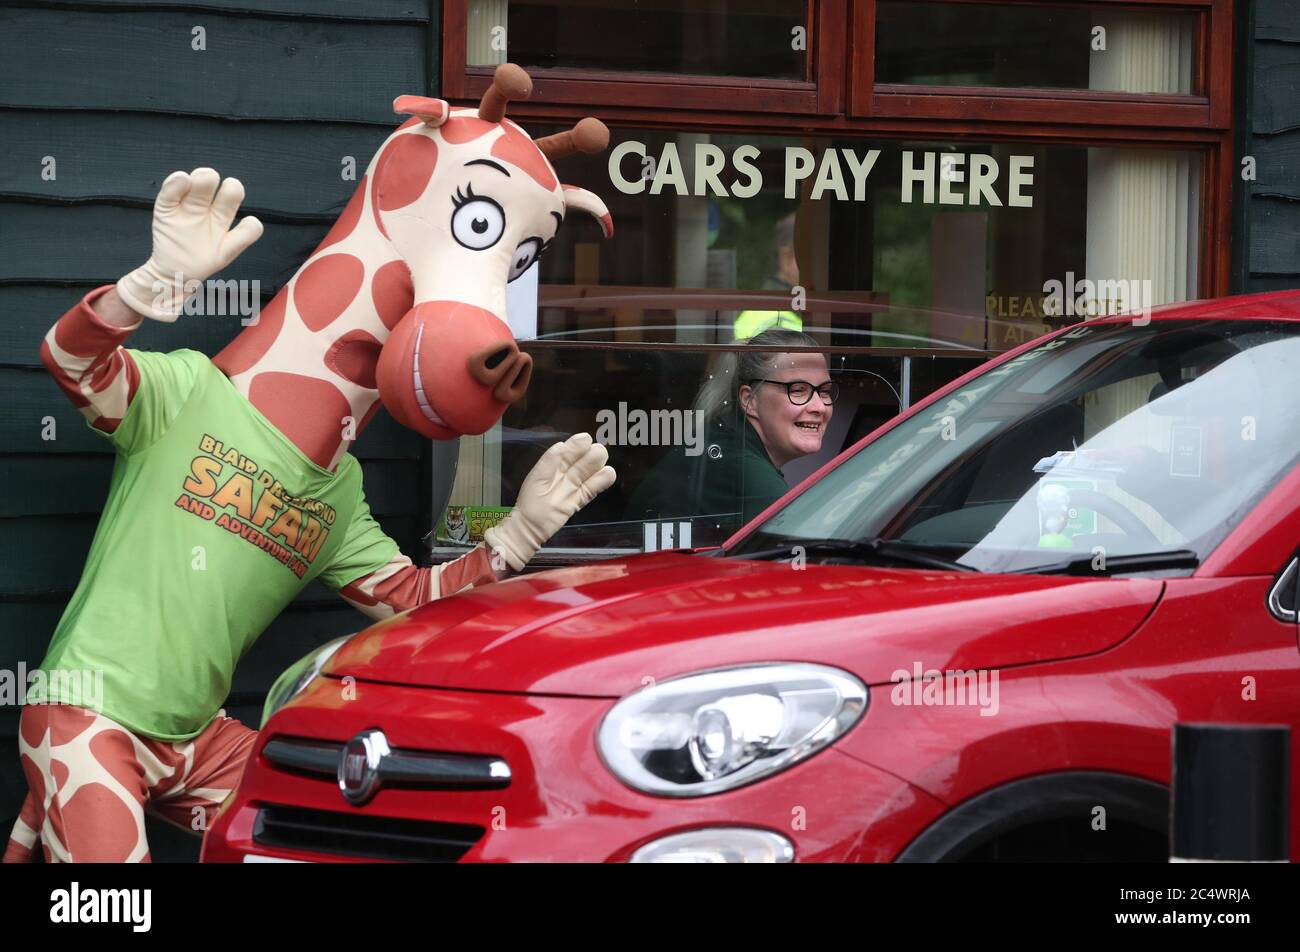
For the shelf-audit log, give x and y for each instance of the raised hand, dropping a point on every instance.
(192, 240)
(567, 477)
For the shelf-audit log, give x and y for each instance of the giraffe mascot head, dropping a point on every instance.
(405, 299)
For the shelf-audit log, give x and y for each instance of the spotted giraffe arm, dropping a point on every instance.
(83, 352)
(401, 584)
(567, 477)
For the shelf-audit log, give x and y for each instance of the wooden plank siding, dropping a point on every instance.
(1269, 228)
(287, 95)
(300, 69)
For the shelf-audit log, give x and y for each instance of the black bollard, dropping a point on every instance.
(1230, 800)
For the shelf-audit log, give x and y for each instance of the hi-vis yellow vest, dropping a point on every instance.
(752, 323)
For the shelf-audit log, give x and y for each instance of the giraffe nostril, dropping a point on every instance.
(514, 381)
(491, 364)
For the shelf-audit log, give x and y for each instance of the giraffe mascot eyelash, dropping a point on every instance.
(233, 487)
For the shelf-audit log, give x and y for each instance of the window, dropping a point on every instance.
(676, 37)
(759, 55)
(1083, 46)
(1105, 62)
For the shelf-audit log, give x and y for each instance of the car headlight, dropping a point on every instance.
(297, 676)
(717, 730)
(718, 845)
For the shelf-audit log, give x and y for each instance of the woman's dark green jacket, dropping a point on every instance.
(731, 480)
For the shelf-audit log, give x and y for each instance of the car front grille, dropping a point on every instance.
(418, 769)
(363, 836)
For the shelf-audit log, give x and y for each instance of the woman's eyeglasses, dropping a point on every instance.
(801, 391)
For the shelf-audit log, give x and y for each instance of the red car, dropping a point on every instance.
(965, 638)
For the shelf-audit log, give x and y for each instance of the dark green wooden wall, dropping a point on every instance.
(115, 94)
(1266, 251)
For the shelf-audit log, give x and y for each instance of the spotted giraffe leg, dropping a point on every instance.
(203, 772)
(22, 841)
(86, 786)
(89, 779)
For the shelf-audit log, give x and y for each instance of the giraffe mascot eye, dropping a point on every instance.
(525, 255)
(478, 223)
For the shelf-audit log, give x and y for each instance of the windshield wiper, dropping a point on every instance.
(867, 550)
(1115, 564)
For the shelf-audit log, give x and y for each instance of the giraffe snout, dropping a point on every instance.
(450, 368)
(501, 368)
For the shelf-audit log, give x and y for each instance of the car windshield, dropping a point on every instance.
(1111, 439)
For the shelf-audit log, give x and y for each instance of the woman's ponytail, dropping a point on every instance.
(719, 394)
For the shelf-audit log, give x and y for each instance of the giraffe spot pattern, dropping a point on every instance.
(347, 221)
(33, 727)
(72, 339)
(354, 357)
(96, 807)
(107, 373)
(35, 779)
(404, 170)
(461, 129)
(326, 287)
(370, 415)
(519, 150)
(280, 396)
(116, 754)
(63, 730)
(59, 771)
(253, 342)
(392, 292)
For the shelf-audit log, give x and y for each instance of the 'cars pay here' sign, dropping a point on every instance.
(928, 177)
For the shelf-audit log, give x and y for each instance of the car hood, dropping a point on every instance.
(607, 629)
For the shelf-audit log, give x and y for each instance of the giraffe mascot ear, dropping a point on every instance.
(590, 203)
(434, 112)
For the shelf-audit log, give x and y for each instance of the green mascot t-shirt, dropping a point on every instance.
(214, 522)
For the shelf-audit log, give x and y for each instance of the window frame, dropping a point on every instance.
(821, 92)
(1210, 108)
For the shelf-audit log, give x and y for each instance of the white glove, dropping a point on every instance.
(567, 477)
(192, 240)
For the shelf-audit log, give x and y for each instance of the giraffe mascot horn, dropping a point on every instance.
(241, 462)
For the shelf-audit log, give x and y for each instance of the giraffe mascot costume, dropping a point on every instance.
(243, 458)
